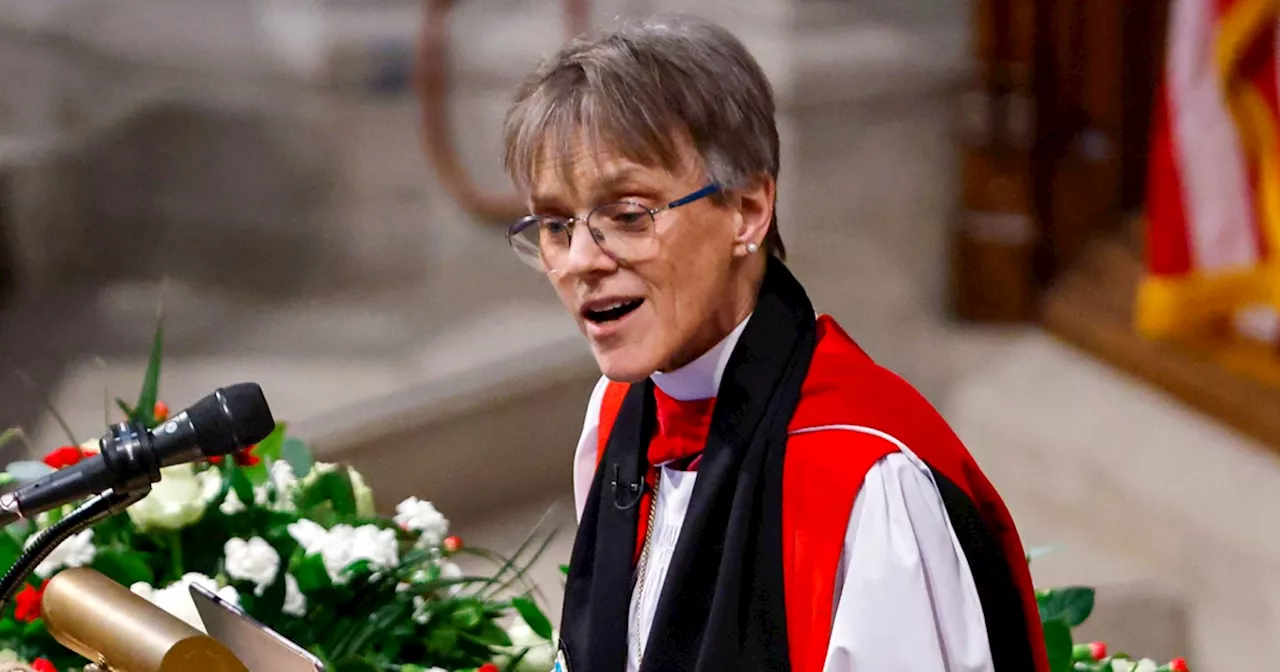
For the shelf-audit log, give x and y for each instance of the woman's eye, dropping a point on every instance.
(555, 227)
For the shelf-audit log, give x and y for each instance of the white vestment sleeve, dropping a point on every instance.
(584, 458)
(905, 598)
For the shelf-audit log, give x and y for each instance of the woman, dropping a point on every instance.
(812, 511)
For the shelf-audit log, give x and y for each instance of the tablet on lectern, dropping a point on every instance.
(260, 648)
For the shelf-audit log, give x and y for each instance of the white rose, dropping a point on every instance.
(542, 653)
(377, 545)
(77, 551)
(232, 504)
(253, 560)
(176, 597)
(343, 545)
(177, 500)
(210, 484)
(295, 603)
(421, 516)
(309, 534)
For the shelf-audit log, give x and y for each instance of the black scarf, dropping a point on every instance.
(722, 605)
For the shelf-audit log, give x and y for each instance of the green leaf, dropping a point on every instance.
(468, 616)
(333, 488)
(490, 634)
(239, 482)
(298, 455)
(1071, 605)
(10, 549)
(145, 411)
(1057, 641)
(268, 450)
(128, 410)
(442, 640)
(124, 566)
(354, 664)
(8, 435)
(270, 447)
(311, 574)
(532, 615)
(272, 599)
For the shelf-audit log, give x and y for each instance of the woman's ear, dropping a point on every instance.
(754, 213)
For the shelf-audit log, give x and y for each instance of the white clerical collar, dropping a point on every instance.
(700, 379)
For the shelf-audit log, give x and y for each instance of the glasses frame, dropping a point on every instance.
(596, 236)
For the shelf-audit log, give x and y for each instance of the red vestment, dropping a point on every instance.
(824, 470)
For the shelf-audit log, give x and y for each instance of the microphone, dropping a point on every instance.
(636, 490)
(103, 621)
(131, 456)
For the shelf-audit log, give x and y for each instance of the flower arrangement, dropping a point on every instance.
(1062, 609)
(298, 545)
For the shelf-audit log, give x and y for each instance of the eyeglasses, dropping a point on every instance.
(624, 230)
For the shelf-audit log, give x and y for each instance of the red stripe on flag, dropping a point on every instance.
(1168, 243)
(1261, 66)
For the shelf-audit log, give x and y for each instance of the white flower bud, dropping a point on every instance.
(232, 505)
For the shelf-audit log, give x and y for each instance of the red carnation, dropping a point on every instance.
(43, 665)
(63, 457)
(1179, 665)
(26, 604)
(452, 543)
(246, 458)
(488, 667)
(1098, 650)
(243, 458)
(161, 411)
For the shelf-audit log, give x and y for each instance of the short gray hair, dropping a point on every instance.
(641, 88)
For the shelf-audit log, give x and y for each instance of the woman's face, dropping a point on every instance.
(696, 283)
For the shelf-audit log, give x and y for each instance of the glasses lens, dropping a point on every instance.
(624, 229)
(540, 242)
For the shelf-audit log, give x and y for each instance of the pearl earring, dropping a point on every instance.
(752, 247)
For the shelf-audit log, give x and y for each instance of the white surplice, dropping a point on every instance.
(905, 600)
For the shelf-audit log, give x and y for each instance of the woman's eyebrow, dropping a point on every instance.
(607, 186)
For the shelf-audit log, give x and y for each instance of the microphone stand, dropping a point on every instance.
(94, 510)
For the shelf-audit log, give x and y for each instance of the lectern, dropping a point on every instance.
(121, 632)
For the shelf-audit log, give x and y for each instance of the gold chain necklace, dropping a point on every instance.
(644, 565)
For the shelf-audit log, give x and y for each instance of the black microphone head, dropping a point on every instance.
(230, 419)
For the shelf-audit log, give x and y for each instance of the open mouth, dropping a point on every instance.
(612, 311)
